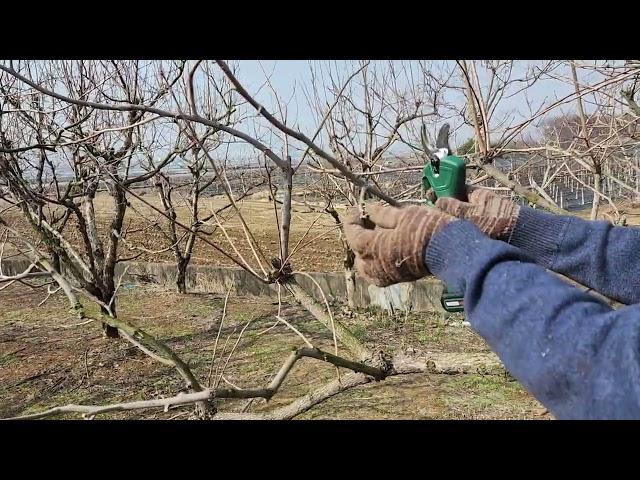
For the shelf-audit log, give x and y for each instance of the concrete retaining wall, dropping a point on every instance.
(420, 296)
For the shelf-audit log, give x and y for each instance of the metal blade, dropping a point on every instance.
(443, 137)
(426, 142)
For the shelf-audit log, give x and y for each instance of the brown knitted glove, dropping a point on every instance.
(390, 244)
(494, 215)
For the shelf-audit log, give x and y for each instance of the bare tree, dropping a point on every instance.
(363, 117)
(499, 135)
(94, 151)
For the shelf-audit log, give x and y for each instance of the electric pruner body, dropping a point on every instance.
(444, 175)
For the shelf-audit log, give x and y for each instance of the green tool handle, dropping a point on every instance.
(447, 178)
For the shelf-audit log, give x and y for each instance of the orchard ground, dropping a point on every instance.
(47, 360)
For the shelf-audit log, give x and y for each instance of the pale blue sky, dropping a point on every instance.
(289, 74)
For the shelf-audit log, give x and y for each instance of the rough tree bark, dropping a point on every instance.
(597, 187)
(348, 259)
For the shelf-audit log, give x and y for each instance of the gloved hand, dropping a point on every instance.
(390, 243)
(494, 215)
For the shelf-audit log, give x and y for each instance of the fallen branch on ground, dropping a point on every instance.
(434, 363)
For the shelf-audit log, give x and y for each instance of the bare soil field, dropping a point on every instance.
(47, 360)
(314, 234)
(314, 237)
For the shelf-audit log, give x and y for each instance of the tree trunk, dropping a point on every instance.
(597, 185)
(476, 119)
(286, 212)
(55, 261)
(181, 278)
(350, 275)
(109, 331)
(348, 260)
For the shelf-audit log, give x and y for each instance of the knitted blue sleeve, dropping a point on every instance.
(596, 254)
(575, 354)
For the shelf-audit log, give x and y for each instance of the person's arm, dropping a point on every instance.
(596, 254)
(576, 355)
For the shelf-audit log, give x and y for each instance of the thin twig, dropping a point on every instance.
(233, 246)
(115, 291)
(233, 350)
(295, 330)
(326, 302)
(215, 345)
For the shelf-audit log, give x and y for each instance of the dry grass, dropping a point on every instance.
(320, 248)
(43, 364)
(141, 227)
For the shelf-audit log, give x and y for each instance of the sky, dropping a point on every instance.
(288, 77)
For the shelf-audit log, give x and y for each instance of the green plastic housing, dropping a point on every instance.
(448, 182)
(452, 301)
(450, 179)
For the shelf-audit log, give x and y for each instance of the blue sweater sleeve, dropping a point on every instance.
(576, 355)
(596, 254)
